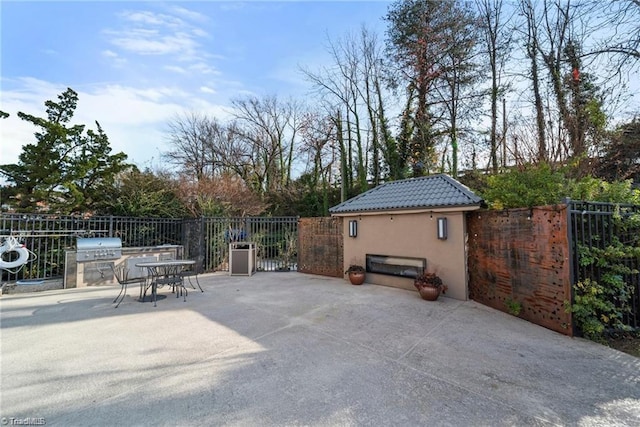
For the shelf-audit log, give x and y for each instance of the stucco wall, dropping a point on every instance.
(411, 235)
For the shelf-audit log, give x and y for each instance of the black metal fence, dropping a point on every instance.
(205, 239)
(276, 240)
(600, 225)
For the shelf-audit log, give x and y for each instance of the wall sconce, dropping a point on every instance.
(353, 228)
(442, 228)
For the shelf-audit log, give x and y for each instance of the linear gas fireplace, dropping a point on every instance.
(396, 265)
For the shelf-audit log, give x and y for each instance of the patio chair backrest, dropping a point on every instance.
(121, 273)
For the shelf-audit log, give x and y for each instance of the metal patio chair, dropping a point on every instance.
(188, 274)
(121, 273)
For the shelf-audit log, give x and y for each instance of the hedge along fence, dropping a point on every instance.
(519, 263)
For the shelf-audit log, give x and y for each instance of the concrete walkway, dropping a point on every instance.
(295, 349)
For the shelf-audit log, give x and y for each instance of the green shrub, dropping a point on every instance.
(597, 190)
(529, 186)
(514, 307)
(599, 306)
(538, 185)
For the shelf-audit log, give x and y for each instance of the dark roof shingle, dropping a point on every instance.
(436, 191)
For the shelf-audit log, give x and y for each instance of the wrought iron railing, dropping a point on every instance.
(594, 225)
(206, 239)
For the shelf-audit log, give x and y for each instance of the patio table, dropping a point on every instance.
(162, 273)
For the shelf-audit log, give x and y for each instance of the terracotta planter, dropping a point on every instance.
(429, 293)
(356, 277)
(429, 285)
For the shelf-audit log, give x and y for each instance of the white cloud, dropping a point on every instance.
(154, 33)
(128, 106)
(206, 89)
(115, 60)
(146, 33)
(14, 132)
(150, 18)
(175, 69)
(203, 68)
(199, 32)
(134, 119)
(232, 6)
(150, 42)
(189, 14)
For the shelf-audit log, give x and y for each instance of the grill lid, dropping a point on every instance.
(98, 248)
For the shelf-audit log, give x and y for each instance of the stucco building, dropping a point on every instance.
(400, 227)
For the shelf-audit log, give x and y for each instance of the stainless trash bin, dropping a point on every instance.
(242, 258)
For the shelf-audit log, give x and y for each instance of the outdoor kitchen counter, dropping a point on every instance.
(79, 271)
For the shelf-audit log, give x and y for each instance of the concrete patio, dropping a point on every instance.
(296, 349)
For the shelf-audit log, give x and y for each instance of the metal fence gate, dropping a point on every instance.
(593, 224)
(276, 240)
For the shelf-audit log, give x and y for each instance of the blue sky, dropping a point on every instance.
(136, 65)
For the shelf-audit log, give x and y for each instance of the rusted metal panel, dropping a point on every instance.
(522, 255)
(320, 246)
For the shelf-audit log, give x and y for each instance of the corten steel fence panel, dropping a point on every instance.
(520, 257)
(592, 224)
(49, 236)
(321, 246)
(276, 240)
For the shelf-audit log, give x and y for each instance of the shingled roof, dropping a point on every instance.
(436, 191)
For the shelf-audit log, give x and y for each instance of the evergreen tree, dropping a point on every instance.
(66, 170)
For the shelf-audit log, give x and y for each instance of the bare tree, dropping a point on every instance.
(416, 44)
(620, 43)
(532, 50)
(370, 69)
(318, 136)
(577, 98)
(269, 130)
(460, 72)
(352, 89)
(423, 37)
(498, 40)
(192, 137)
(337, 86)
(225, 195)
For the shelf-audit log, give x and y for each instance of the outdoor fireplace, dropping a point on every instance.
(396, 265)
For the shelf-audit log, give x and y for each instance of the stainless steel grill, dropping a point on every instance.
(98, 248)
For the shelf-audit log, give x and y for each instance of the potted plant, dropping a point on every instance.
(429, 285)
(356, 274)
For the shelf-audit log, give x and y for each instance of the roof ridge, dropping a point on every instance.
(460, 186)
(438, 190)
